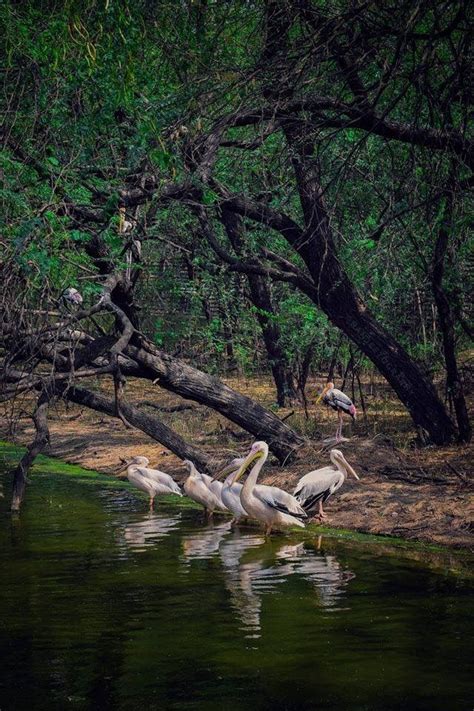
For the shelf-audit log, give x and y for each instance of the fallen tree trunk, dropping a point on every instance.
(148, 424)
(179, 377)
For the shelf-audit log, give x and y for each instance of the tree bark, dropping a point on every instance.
(261, 298)
(35, 448)
(339, 300)
(148, 424)
(446, 322)
(188, 382)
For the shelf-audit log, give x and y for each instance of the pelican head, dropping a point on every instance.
(337, 457)
(139, 461)
(327, 388)
(134, 461)
(258, 450)
(189, 466)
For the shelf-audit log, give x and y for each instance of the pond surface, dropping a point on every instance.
(106, 606)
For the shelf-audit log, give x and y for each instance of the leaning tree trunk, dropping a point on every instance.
(149, 424)
(35, 448)
(339, 300)
(188, 382)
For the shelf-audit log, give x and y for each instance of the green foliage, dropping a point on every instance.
(99, 90)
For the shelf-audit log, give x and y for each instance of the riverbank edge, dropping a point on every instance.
(451, 559)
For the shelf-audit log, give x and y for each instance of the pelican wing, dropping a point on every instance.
(215, 487)
(280, 500)
(160, 478)
(317, 486)
(197, 490)
(231, 499)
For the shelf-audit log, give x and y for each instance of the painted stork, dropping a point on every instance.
(332, 397)
(71, 296)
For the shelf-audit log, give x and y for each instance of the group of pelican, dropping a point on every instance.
(269, 505)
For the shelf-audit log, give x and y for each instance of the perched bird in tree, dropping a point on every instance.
(151, 481)
(315, 488)
(340, 402)
(71, 296)
(270, 505)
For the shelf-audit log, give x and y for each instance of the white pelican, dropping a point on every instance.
(230, 492)
(151, 481)
(216, 488)
(317, 486)
(340, 402)
(270, 505)
(198, 490)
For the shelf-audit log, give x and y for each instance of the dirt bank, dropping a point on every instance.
(420, 494)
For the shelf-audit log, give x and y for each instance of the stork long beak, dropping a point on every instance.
(322, 394)
(249, 459)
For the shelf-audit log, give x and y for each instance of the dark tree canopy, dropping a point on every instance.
(214, 175)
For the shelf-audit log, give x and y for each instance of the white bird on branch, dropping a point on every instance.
(71, 296)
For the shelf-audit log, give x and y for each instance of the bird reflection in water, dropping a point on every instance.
(254, 567)
(238, 579)
(323, 571)
(204, 543)
(139, 535)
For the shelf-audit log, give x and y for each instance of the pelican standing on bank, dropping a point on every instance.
(151, 481)
(315, 488)
(340, 402)
(269, 505)
(198, 490)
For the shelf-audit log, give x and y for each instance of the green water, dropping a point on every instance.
(104, 606)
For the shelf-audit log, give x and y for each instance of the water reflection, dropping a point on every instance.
(238, 580)
(251, 575)
(149, 530)
(204, 543)
(254, 567)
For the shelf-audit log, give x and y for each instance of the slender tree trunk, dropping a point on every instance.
(446, 323)
(260, 294)
(35, 448)
(282, 375)
(332, 364)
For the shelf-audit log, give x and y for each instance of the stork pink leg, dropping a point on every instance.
(339, 427)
